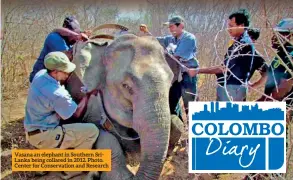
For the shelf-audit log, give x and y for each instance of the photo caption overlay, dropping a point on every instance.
(61, 160)
(237, 137)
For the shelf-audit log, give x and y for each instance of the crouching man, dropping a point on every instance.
(48, 103)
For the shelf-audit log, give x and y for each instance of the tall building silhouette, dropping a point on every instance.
(232, 112)
(217, 106)
(212, 108)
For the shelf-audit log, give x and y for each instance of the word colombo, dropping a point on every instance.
(236, 129)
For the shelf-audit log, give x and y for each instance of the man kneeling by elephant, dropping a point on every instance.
(49, 102)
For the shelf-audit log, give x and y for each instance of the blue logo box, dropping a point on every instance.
(237, 137)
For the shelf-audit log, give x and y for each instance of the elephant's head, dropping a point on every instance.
(135, 80)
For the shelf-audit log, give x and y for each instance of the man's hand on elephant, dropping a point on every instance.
(88, 33)
(93, 92)
(83, 37)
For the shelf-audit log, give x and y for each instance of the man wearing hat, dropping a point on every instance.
(58, 41)
(182, 45)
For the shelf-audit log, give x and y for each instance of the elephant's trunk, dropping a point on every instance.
(152, 122)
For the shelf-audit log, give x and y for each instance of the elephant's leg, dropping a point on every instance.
(177, 128)
(130, 147)
(119, 169)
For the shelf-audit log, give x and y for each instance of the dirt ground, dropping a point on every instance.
(12, 136)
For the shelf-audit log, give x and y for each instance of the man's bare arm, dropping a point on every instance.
(210, 70)
(82, 105)
(260, 81)
(81, 108)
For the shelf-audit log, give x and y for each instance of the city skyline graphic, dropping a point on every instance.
(232, 112)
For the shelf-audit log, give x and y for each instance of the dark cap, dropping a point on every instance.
(175, 20)
(71, 23)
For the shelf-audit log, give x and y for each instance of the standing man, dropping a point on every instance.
(280, 80)
(240, 62)
(182, 45)
(57, 42)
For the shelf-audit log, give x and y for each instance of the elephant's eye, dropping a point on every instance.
(129, 89)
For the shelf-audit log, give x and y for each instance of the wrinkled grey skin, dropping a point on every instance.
(135, 80)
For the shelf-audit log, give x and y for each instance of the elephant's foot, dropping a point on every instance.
(177, 128)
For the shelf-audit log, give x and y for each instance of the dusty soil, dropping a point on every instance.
(12, 136)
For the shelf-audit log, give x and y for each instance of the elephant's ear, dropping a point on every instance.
(174, 66)
(81, 57)
(84, 53)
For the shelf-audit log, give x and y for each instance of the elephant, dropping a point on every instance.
(134, 79)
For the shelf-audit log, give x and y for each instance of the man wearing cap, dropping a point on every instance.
(48, 103)
(58, 41)
(279, 84)
(182, 45)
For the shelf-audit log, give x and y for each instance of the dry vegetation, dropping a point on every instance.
(25, 25)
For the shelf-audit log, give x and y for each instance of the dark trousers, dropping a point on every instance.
(188, 84)
(174, 97)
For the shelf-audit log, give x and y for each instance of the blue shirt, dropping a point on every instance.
(45, 99)
(53, 42)
(184, 47)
